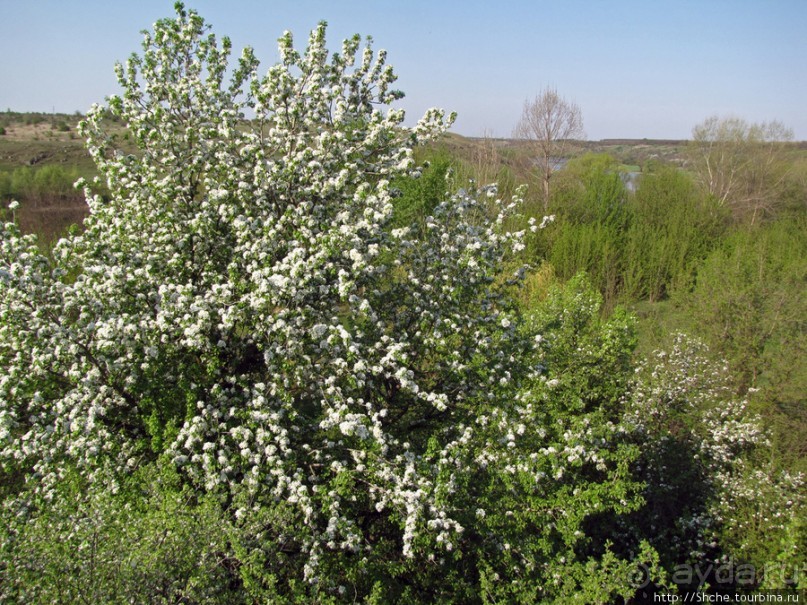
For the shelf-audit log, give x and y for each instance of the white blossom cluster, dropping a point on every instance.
(238, 302)
(684, 398)
(684, 382)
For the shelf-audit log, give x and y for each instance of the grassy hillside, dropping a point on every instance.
(41, 139)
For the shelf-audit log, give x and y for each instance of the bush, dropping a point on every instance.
(673, 228)
(145, 538)
(360, 398)
(712, 495)
(748, 305)
(42, 185)
(589, 233)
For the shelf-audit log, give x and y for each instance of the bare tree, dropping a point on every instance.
(742, 165)
(549, 122)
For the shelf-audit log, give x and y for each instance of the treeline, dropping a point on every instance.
(633, 246)
(728, 270)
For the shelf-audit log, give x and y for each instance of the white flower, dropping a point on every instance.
(278, 281)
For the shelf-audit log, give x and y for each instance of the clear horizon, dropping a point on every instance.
(637, 69)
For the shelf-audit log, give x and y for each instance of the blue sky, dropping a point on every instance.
(636, 68)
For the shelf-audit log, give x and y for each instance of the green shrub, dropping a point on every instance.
(589, 231)
(419, 195)
(748, 304)
(672, 229)
(141, 538)
(38, 185)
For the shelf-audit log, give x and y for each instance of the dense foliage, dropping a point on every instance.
(281, 364)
